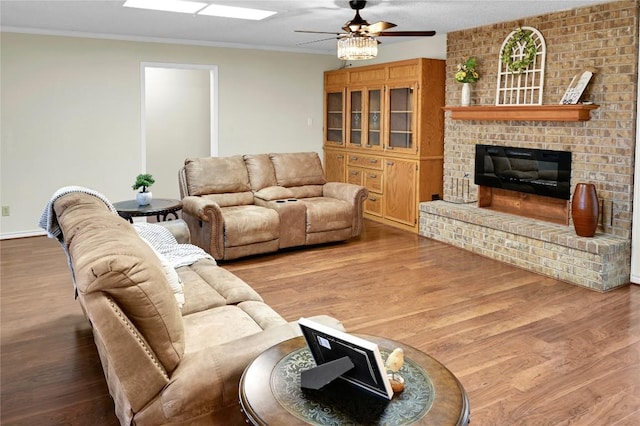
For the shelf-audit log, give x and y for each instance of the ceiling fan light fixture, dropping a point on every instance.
(355, 48)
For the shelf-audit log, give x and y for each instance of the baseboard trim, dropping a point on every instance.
(12, 235)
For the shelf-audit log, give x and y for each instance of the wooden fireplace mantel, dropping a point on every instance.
(578, 112)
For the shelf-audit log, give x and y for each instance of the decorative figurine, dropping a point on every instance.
(394, 363)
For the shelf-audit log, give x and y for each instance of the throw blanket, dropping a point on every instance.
(49, 221)
(161, 239)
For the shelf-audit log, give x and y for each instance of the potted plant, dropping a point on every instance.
(143, 181)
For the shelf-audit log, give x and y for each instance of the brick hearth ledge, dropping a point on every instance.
(600, 263)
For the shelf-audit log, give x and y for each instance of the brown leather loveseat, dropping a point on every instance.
(243, 205)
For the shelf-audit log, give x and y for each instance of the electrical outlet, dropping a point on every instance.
(5, 211)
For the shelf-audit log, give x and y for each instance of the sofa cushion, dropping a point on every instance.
(249, 224)
(274, 193)
(261, 171)
(246, 318)
(207, 286)
(296, 169)
(216, 175)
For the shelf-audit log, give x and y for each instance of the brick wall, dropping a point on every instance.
(602, 36)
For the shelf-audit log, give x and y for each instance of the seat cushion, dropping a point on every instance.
(245, 225)
(212, 327)
(327, 214)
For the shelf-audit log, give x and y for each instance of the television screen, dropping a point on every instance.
(327, 344)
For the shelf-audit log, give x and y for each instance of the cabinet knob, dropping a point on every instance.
(372, 175)
(389, 163)
(340, 157)
(354, 173)
(373, 199)
(354, 158)
(373, 160)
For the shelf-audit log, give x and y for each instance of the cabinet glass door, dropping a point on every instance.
(374, 117)
(401, 119)
(355, 117)
(334, 126)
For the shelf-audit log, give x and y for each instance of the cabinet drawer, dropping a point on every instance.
(373, 204)
(365, 161)
(373, 180)
(355, 176)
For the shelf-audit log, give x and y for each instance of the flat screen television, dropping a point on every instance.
(327, 344)
(535, 171)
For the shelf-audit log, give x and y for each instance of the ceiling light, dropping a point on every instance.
(236, 12)
(180, 6)
(357, 47)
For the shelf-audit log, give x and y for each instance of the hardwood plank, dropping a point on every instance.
(529, 350)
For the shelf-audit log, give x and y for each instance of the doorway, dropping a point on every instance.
(179, 120)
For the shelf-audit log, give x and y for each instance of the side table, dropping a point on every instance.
(270, 392)
(161, 208)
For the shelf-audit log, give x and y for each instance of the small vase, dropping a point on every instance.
(585, 209)
(143, 198)
(465, 98)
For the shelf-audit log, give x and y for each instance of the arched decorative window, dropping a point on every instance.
(521, 68)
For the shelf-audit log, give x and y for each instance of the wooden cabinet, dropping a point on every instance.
(400, 184)
(334, 165)
(392, 135)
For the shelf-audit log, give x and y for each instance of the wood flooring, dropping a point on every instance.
(529, 350)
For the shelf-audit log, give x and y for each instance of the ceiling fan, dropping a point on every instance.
(360, 34)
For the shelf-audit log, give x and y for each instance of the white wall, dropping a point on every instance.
(70, 111)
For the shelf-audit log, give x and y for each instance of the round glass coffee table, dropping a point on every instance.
(270, 392)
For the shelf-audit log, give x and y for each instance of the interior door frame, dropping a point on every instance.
(213, 99)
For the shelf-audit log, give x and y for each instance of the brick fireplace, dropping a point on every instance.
(604, 37)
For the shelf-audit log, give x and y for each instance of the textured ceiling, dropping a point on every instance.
(109, 19)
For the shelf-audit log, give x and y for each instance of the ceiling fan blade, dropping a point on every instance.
(407, 34)
(316, 41)
(318, 32)
(379, 27)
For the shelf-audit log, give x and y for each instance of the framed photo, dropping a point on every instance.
(576, 88)
(327, 345)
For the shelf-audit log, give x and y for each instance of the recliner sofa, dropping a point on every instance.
(244, 205)
(164, 363)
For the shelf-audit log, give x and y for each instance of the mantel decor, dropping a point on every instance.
(522, 42)
(521, 68)
(466, 73)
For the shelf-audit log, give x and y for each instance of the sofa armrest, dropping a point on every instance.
(206, 224)
(179, 229)
(354, 195)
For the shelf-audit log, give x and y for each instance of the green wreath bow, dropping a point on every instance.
(530, 51)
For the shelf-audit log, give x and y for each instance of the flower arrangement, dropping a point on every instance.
(466, 72)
